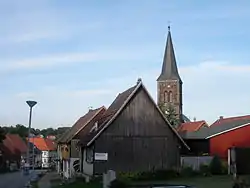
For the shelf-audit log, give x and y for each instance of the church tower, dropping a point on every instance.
(169, 83)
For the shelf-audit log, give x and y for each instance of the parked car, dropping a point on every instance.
(173, 186)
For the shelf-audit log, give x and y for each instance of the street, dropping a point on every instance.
(14, 179)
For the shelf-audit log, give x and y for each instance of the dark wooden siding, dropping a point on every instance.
(88, 127)
(138, 140)
(74, 149)
(197, 147)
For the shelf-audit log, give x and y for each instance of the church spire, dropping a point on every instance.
(169, 68)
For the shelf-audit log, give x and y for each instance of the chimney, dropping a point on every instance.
(194, 119)
(139, 80)
(90, 108)
(221, 117)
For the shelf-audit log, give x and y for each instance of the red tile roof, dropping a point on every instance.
(12, 147)
(192, 126)
(51, 144)
(18, 142)
(9, 144)
(223, 120)
(43, 144)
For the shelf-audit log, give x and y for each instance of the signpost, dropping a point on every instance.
(101, 156)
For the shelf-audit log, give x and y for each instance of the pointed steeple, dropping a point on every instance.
(169, 68)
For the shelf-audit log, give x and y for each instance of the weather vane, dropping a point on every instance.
(169, 25)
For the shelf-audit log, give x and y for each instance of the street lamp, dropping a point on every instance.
(31, 105)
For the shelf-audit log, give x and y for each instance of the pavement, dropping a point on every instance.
(13, 180)
(44, 182)
(16, 179)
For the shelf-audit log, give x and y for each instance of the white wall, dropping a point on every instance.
(87, 167)
(45, 159)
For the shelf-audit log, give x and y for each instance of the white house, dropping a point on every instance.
(48, 152)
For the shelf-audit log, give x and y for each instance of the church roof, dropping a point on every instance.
(169, 67)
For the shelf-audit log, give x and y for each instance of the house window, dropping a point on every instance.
(94, 128)
(89, 155)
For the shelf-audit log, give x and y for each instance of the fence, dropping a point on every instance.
(195, 161)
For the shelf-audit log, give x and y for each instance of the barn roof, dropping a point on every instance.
(192, 126)
(79, 125)
(118, 105)
(220, 126)
(223, 125)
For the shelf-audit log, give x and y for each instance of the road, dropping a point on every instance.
(13, 180)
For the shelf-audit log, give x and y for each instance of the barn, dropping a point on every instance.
(223, 134)
(230, 132)
(193, 135)
(132, 135)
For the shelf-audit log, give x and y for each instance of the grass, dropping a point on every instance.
(34, 184)
(80, 184)
(206, 182)
(198, 182)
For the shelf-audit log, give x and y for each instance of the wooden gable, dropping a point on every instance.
(139, 138)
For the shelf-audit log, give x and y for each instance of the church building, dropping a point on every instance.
(169, 83)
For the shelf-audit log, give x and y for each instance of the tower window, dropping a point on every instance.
(165, 96)
(170, 94)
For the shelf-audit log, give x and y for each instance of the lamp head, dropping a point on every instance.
(31, 103)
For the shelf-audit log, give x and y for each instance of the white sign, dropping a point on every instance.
(101, 156)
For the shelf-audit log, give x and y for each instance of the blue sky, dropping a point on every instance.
(69, 55)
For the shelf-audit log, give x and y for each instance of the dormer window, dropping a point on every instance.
(94, 128)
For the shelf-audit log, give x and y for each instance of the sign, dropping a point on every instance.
(101, 156)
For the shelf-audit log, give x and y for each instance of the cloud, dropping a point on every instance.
(51, 60)
(70, 58)
(92, 93)
(210, 89)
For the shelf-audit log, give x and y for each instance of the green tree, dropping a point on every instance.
(170, 114)
(2, 134)
(216, 167)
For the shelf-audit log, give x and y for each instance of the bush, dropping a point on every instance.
(188, 172)
(165, 174)
(149, 175)
(204, 170)
(216, 167)
(224, 167)
(118, 184)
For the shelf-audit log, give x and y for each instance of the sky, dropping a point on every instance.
(73, 55)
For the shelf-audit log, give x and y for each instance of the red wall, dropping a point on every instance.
(238, 138)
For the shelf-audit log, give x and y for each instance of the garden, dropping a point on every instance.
(208, 176)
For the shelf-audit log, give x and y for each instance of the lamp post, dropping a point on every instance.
(31, 105)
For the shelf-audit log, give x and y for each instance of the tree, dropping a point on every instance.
(2, 134)
(170, 114)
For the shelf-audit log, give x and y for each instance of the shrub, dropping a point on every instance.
(149, 175)
(118, 184)
(165, 174)
(224, 167)
(216, 166)
(204, 170)
(188, 171)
